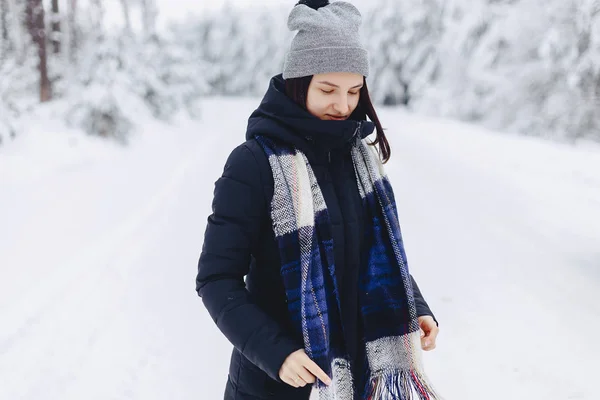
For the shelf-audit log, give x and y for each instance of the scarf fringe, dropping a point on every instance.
(401, 385)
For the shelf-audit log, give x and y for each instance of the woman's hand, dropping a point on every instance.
(298, 370)
(429, 332)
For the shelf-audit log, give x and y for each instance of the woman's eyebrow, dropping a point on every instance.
(336, 86)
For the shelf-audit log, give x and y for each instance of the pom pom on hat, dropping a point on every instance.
(314, 4)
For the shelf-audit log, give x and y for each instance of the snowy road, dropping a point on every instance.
(98, 258)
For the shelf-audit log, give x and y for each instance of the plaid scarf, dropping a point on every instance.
(391, 329)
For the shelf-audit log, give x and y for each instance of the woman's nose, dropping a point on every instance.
(341, 105)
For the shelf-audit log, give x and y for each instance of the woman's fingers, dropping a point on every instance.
(431, 330)
(312, 367)
(430, 338)
(289, 380)
(298, 370)
(298, 380)
(305, 374)
(286, 372)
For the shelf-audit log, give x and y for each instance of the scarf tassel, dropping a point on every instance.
(400, 385)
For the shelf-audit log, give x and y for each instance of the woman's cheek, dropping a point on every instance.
(319, 106)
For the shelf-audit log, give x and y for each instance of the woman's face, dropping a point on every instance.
(333, 96)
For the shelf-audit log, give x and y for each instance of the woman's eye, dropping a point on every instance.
(325, 91)
(353, 94)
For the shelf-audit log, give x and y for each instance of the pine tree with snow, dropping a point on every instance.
(402, 39)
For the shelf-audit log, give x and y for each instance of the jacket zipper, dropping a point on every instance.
(357, 131)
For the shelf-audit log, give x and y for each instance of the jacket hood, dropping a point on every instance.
(279, 117)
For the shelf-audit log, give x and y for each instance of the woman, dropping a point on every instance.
(304, 211)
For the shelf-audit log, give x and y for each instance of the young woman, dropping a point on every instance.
(304, 211)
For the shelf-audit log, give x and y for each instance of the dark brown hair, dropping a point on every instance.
(297, 90)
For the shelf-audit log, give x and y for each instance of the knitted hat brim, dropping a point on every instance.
(324, 60)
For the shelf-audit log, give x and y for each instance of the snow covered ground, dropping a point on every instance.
(99, 244)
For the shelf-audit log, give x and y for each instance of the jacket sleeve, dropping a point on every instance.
(420, 303)
(233, 228)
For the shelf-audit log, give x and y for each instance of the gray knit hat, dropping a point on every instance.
(328, 40)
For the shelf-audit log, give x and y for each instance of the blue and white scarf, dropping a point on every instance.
(302, 228)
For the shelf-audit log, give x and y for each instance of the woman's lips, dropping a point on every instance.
(336, 118)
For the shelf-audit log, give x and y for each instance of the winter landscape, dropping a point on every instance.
(106, 179)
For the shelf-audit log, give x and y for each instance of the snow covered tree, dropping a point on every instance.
(508, 71)
(120, 76)
(18, 81)
(3, 26)
(107, 78)
(402, 39)
(126, 16)
(486, 61)
(7, 131)
(263, 58)
(34, 14)
(71, 32)
(224, 49)
(571, 51)
(241, 49)
(149, 15)
(55, 36)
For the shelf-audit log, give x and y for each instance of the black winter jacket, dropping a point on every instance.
(239, 242)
